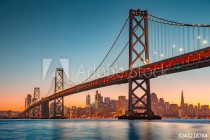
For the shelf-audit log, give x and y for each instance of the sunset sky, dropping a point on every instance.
(83, 31)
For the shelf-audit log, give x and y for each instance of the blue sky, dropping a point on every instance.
(80, 30)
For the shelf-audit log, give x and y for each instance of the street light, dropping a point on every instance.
(173, 50)
(162, 55)
(199, 37)
(180, 50)
(205, 42)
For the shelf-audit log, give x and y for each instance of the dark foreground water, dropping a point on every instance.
(108, 129)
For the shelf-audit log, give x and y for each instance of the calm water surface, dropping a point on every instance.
(107, 129)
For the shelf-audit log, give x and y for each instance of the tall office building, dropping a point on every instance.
(199, 105)
(88, 101)
(113, 105)
(98, 102)
(154, 103)
(107, 100)
(161, 102)
(121, 105)
(173, 110)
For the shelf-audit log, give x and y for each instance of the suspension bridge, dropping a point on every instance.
(146, 47)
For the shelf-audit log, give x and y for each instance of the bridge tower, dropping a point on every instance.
(59, 101)
(36, 94)
(36, 110)
(138, 108)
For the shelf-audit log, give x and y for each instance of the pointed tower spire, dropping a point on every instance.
(182, 99)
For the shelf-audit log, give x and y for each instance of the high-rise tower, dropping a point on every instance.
(98, 102)
(182, 100)
(88, 100)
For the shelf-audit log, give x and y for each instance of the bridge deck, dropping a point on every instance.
(188, 61)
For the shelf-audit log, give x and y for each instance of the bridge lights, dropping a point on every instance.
(199, 37)
(162, 55)
(205, 42)
(173, 50)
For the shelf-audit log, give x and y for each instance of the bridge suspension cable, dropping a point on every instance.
(51, 89)
(108, 51)
(169, 38)
(115, 59)
(164, 21)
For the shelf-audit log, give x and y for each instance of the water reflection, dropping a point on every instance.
(105, 129)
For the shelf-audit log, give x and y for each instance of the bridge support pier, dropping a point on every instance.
(138, 108)
(45, 110)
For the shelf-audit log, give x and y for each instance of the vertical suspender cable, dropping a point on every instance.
(193, 38)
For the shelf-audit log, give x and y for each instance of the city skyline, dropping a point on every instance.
(102, 106)
(92, 98)
(179, 103)
(160, 106)
(40, 36)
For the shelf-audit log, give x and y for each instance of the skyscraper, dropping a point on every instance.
(107, 100)
(199, 105)
(182, 100)
(88, 101)
(121, 105)
(154, 101)
(98, 101)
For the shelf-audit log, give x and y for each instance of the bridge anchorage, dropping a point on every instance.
(138, 34)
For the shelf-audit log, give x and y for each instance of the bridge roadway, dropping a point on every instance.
(193, 60)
